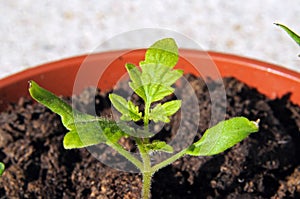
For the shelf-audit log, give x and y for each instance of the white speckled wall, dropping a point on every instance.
(35, 32)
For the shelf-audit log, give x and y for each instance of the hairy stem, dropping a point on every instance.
(147, 177)
(168, 161)
(147, 170)
(146, 115)
(126, 154)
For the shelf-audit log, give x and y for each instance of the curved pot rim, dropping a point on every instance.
(253, 72)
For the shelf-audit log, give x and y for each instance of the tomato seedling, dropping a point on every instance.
(152, 81)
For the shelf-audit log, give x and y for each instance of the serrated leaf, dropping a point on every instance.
(172, 107)
(161, 112)
(153, 82)
(136, 83)
(128, 110)
(115, 135)
(164, 51)
(84, 130)
(134, 73)
(223, 136)
(160, 74)
(158, 145)
(158, 114)
(134, 111)
(292, 34)
(158, 80)
(2, 168)
(171, 76)
(158, 92)
(87, 131)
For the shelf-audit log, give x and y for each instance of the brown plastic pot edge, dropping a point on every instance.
(58, 77)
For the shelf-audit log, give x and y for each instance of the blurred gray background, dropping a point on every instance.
(36, 32)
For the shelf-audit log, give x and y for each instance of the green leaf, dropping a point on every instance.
(137, 82)
(2, 168)
(52, 102)
(84, 130)
(158, 145)
(89, 130)
(223, 136)
(172, 107)
(153, 80)
(162, 112)
(158, 80)
(158, 114)
(164, 51)
(128, 110)
(292, 34)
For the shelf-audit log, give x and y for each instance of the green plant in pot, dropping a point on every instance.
(152, 81)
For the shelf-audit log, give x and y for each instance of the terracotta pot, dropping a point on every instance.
(59, 76)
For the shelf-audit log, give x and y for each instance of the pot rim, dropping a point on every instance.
(228, 65)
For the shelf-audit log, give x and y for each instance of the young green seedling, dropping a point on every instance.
(291, 33)
(2, 167)
(152, 81)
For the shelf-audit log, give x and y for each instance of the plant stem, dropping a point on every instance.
(147, 177)
(146, 115)
(168, 161)
(146, 171)
(147, 174)
(126, 154)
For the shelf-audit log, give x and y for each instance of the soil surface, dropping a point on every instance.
(264, 165)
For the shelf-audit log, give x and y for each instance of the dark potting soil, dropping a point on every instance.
(264, 165)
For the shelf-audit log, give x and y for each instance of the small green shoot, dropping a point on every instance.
(291, 33)
(2, 168)
(152, 80)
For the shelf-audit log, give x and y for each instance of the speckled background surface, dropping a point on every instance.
(36, 32)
